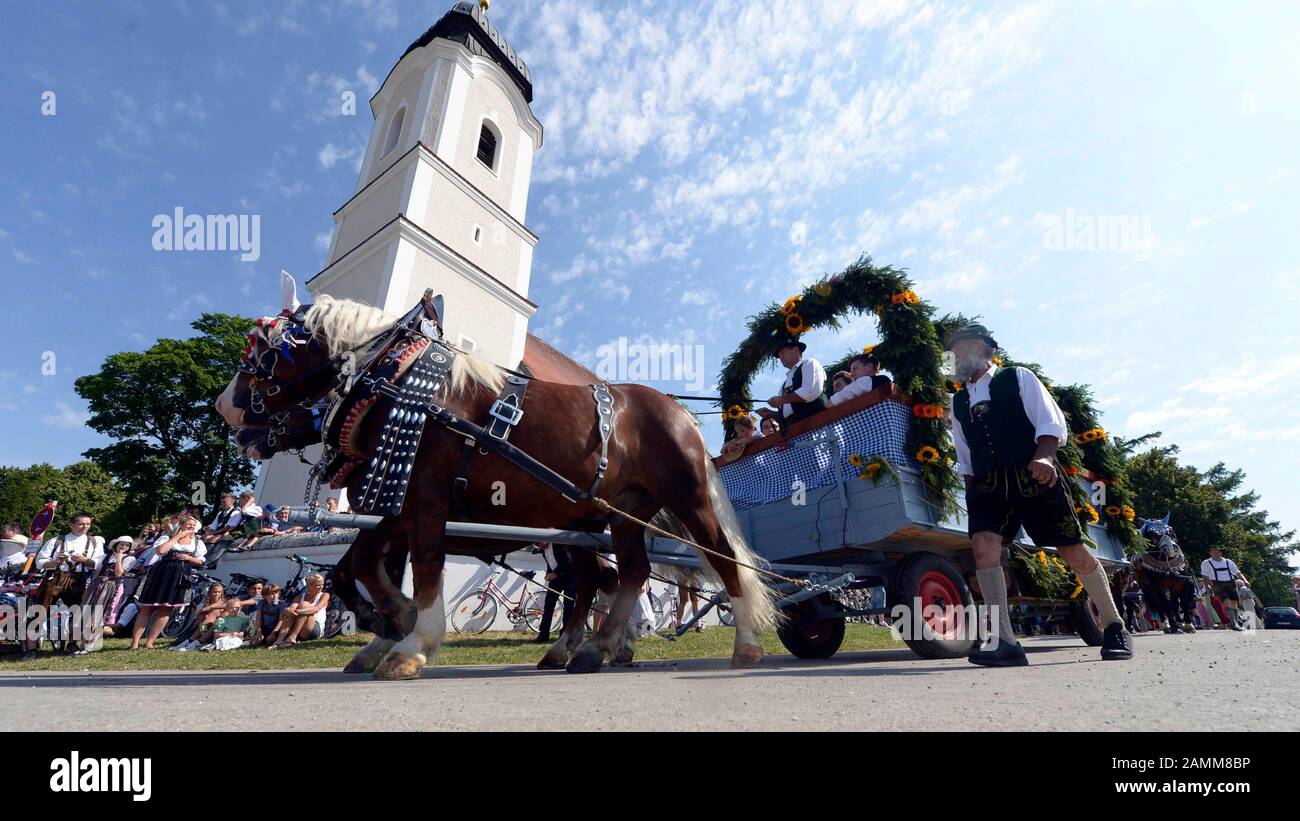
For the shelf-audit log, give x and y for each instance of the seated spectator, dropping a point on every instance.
(13, 546)
(248, 603)
(231, 630)
(840, 381)
(249, 511)
(225, 522)
(214, 606)
(267, 616)
(864, 370)
(274, 522)
(769, 427)
(745, 433)
(304, 619)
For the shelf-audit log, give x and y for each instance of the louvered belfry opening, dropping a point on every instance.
(487, 146)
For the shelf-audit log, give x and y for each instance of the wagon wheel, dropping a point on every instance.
(808, 635)
(936, 583)
(1086, 622)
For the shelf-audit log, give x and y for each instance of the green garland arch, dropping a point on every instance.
(910, 348)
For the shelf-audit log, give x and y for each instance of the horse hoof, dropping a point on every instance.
(624, 656)
(398, 667)
(746, 655)
(551, 662)
(360, 665)
(585, 661)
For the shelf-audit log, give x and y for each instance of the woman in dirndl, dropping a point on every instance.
(104, 591)
(166, 587)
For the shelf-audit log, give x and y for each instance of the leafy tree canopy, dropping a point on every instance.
(157, 405)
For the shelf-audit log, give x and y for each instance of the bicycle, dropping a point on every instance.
(476, 611)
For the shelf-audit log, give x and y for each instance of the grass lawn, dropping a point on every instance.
(488, 648)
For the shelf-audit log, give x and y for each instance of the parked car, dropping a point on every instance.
(1281, 618)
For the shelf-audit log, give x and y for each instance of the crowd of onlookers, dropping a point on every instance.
(134, 585)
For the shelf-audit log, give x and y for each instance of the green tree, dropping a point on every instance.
(158, 407)
(83, 487)
(1210, 509)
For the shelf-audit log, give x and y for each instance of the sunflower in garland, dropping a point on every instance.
(794, 324)
(927, 454)
(734, 412)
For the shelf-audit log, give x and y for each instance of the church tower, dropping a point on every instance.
(440, 202)
(443, 189)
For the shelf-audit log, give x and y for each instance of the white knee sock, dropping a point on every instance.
(993, 586)
(1098, 588)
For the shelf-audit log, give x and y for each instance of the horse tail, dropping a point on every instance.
(753, 589)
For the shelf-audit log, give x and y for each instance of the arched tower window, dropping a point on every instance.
(489, 141)
(394, 131)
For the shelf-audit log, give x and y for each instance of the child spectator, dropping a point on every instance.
(267, 616)
(230, 629)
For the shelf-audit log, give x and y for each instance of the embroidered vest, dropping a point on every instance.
(1001, 435)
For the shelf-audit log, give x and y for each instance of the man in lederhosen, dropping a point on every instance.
(802, 394)
(1222, 575)
(1007, 429)
(67, 562)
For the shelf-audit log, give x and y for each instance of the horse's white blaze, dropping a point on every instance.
(430, 630)
(226, 406)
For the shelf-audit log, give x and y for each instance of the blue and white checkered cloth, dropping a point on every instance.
(880, 430)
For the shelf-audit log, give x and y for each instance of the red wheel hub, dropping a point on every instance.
(939, 602)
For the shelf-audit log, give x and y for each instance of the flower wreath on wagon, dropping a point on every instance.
(909, 348)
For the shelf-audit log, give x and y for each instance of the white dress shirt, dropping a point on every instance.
(232, 522)
(1224, 570)
(1043, 412)
(853, 390)
(814, 380)
(86, 545)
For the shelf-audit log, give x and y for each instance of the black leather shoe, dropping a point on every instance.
(1116, 644)
(1003, 655)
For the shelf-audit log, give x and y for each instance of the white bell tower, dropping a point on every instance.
(440, 202)
(443, 190)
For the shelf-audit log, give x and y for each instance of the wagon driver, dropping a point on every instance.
(1007, 429)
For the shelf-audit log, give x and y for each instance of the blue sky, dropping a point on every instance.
(700, 161)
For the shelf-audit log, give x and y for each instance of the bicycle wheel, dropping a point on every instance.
(474, 613)
(180, 624)
(534, 606)
(665, 612)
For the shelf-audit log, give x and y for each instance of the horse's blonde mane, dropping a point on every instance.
(345, 325)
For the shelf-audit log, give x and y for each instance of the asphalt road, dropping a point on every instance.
(1245, 681)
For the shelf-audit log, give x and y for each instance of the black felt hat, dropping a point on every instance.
(786, 341)
(971, 331)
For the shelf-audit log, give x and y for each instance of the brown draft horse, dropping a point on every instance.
(658, 464)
